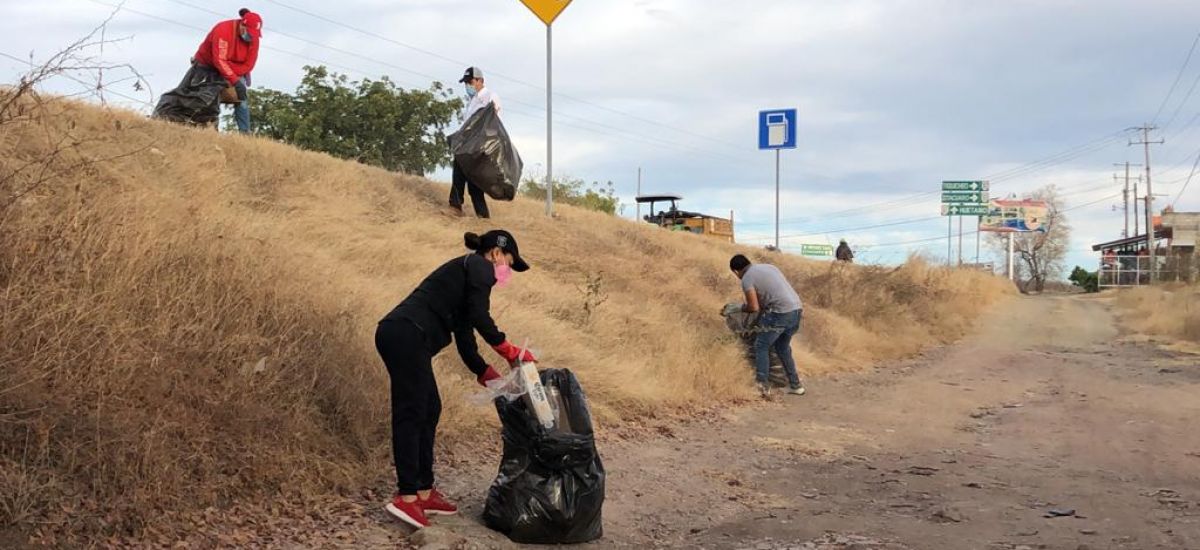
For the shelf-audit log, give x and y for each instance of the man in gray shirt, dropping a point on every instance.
(768, 291)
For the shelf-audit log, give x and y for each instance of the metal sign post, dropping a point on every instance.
(962, 198)
(549, 126)
(547, 11)
(777, 130)
(777, 198)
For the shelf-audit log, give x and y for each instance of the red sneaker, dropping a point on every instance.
(437, 505)
(408, 512)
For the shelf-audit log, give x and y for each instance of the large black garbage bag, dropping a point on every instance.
(196, 99)
(550, 487)
(486, 155)
(745, 326)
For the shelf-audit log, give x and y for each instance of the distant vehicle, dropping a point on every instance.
(692, 222)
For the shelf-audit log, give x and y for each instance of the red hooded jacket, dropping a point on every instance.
(223, 50)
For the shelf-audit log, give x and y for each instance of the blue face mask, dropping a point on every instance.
(247, 38)
(470, 91)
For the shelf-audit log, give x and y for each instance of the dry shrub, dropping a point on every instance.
(1171, 311)
(189, 319)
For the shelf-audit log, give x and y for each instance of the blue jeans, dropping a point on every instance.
(776, 331)
(241, 113)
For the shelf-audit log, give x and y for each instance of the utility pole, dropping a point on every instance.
(1137, 223)
(639, 193)
(1145, 143)
(1125, 196)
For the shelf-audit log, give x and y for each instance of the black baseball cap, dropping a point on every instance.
(471, 74)
(499, 238)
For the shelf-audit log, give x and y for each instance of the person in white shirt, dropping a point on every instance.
(479, 97)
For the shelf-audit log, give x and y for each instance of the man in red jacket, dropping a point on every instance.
(225, 57)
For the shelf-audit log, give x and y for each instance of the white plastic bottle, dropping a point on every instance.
(537, 395)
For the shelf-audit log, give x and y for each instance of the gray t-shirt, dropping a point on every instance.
(775, 294)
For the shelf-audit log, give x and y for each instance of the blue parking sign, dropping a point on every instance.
(777, 129)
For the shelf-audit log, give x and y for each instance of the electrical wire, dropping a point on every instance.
(436, 55)
(1178, 76)
(1195, 165)
(630, 136)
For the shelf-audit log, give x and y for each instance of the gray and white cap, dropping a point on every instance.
(471, 74)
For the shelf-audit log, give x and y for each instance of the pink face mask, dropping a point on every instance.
(503, 275)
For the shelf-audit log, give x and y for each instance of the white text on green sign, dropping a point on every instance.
(816, 249)
(964, 209)
(964, 197)
(965, 186)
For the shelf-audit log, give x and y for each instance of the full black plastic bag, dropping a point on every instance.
(197, 98)
(486, 155)
(550, 487)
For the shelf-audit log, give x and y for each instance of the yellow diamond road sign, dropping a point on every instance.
(546, 10)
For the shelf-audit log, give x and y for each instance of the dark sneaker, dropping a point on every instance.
(408, 512)
(437, 505)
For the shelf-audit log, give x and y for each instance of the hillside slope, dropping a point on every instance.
(188, 317)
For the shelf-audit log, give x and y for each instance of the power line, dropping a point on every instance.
(1178, 76)
(1195, 165)
(630, 134)
(638, 138)
(940, 237)
(92, 91)
(860, 228)
(436, 55)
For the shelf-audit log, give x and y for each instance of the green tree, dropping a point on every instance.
(371, 121)
(601, 197)
(1087, 280)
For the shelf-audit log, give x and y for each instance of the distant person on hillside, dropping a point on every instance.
(224, 59)
(451, 303)
(478, 96)
(768, 291)
(843, 253)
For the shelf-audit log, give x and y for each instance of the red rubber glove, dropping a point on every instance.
(489, 374)
(512, 353)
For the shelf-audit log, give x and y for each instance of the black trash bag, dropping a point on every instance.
(745, 326)
(550, 487)
(197, 98)
(486, 155)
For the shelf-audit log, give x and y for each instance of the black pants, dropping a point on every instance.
(458, 181)
(416, 405)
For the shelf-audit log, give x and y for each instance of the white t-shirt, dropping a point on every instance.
(481, 99)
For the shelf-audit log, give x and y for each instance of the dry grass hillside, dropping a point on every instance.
(188, 317)
(1169, 311)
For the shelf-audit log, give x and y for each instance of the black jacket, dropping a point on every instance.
(454, 300)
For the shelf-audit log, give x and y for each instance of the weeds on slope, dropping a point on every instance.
(1171, 311)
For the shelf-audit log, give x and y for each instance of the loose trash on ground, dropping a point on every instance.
(744, 325)
(550, 486)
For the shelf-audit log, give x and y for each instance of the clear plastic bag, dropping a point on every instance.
(509, 386)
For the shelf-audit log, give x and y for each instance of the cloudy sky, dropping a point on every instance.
(893, 96)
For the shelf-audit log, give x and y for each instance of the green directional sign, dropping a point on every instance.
(816, 250)
(965, 197)
(964, 186)
(964, 209)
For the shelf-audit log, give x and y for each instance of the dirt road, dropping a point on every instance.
(1045, 409)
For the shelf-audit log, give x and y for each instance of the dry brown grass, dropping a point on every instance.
(192, 325)
(1170, 311)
